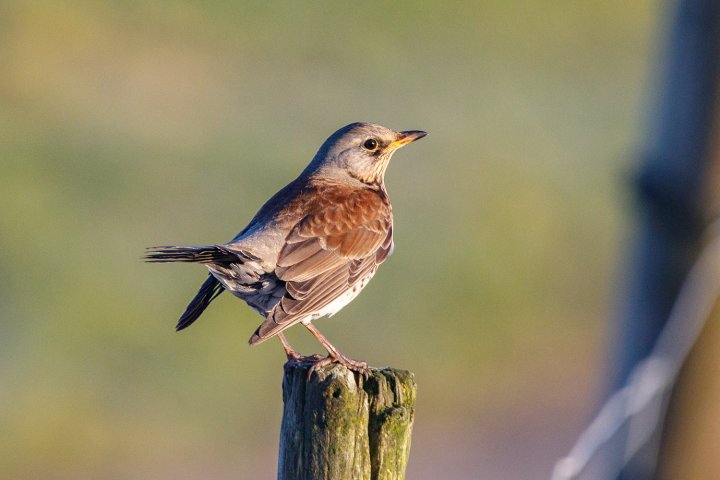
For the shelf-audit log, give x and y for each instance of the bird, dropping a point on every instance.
(312, 247)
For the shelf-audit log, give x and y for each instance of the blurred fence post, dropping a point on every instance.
(337, 425)
(669, 184)
(669, 187)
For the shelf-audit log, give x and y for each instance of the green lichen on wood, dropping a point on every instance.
(392, 410)
(337, 425)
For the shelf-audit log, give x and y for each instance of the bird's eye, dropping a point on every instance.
(370, 144)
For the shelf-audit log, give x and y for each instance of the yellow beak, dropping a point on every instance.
(407, 137)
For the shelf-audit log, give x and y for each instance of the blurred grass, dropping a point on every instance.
(127, 124)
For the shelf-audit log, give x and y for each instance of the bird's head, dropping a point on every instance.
(361, 151)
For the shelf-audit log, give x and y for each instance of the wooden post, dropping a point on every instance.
(338, 426)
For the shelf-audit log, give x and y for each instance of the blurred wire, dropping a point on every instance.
(664, 307)
(640, 405)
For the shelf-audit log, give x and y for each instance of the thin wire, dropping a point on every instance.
(654, 376)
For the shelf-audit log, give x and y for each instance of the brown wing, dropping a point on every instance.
(346, 237)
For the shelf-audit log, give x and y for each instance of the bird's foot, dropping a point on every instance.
(337, 357)
(295, 357)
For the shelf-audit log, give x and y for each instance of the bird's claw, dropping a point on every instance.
(294, 357)
(354, 365)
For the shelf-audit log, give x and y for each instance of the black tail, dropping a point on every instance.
(211, 254)
(210, 289)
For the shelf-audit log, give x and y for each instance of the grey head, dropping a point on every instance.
(360, 151)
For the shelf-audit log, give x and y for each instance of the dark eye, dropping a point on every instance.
(370, 144)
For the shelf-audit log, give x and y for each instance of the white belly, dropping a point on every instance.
(336, 305)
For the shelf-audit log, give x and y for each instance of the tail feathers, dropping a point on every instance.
(217, 254)
(210, 289)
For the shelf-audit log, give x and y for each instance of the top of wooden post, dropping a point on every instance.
(339, 425)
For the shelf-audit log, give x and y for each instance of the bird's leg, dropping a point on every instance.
(334, 355)
(294, 356)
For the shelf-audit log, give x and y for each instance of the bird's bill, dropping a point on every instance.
(407, 137)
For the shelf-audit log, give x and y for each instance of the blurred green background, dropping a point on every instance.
(129, 124)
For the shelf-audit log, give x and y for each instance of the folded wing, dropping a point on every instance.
(330, 252)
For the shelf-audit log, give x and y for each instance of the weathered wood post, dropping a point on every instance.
(339, 426)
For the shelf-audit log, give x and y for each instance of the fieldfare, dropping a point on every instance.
(312, 247)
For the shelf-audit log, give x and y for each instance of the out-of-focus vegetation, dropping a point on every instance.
(128, 124)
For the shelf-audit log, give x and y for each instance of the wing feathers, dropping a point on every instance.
(329, 252)
(294, 253)
(317, 264)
